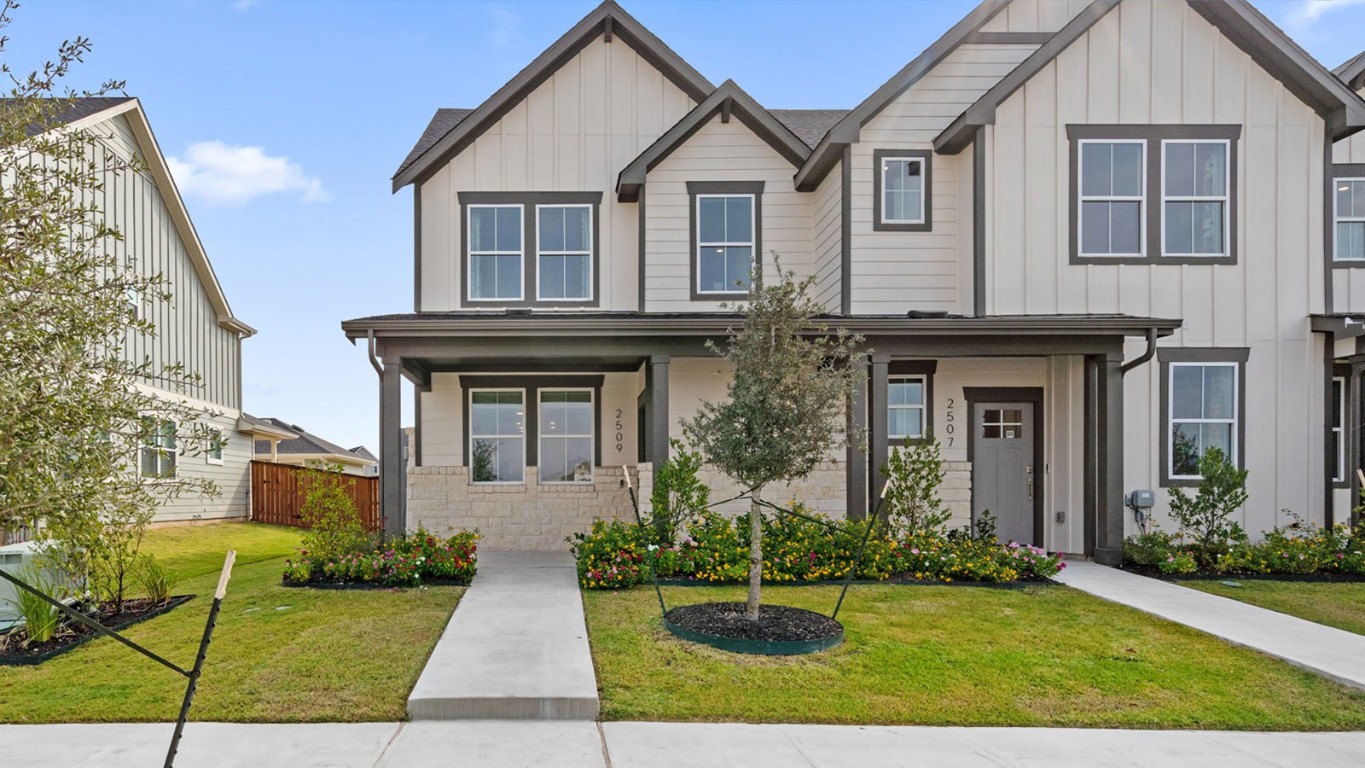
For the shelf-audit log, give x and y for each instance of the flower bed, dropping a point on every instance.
(16, 648)
(1298, 549)
(410, 560)
(616, 555)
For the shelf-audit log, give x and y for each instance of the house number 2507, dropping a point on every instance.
(949, 416)
(620, 432)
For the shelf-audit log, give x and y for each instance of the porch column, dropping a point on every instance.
(657, 451)
(877, 444)
(855, 480)
(391, 468)
(1109, 485)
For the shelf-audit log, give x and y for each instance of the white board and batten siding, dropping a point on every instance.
(1348, 285)
(892, 272)
(573, 133)
(1035, 15)
(719, 151)
(1121, 72)
(187, 332)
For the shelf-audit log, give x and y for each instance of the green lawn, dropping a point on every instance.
(1336, 604)
(940, 655)
(278, 654)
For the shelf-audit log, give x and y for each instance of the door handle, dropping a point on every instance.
(1030, 489)
(1028, 474)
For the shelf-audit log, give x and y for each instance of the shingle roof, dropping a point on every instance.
(307, 442)
(364, 453)
(443, 122)
(1352, 72)
(809, 125)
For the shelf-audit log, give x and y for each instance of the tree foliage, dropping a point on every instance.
(75, 411)
(1206, 517)
(786, 408)
(914, 474)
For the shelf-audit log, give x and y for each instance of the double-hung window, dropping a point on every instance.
(1350, 219)
(566, 435)
(1112, 220)
(495, 252)
(1203, 415)
(905, 398)
(726, 237)
(214, 453)
(564, 252)
(497, 435)
(157, 456)
(1194, 198)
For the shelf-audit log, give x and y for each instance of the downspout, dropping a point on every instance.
(379, 369)
(1124, 369)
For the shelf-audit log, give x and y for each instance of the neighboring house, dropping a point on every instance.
(1084, 241)
(292, 444)
(196, 328)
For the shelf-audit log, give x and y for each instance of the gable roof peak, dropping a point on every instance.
(608, 20)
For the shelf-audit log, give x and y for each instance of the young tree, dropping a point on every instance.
(787, 406)
(74, 423)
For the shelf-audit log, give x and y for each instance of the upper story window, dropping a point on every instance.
(725, 237)
(1194, 198)
(1153, 194)
(1111, 200)
(902, 190)
(530, 248)
(495, 252)
(1350, 219)
(564, 252)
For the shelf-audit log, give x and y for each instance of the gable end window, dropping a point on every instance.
(1203, 406)
(1153, 194)
(1349, 217)
(902, 194)
(525, 249)
(726, 224)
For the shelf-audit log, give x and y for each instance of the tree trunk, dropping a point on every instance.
(755, 555)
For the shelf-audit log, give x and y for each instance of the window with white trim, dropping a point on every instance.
(214, 453)
(1338, 406)
(1349, 243)
(566, 435)
(157, 456)
(1194, 197)
(1111, 220)
(497, 435)
(495, 252)
(1203, 414)
(905, 404)
(903, 190)
(564, 252)
(725, 243)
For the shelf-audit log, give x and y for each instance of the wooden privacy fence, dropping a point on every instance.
(278, 491)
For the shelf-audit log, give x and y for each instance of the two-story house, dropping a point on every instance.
(1084, 240)
(196, 329)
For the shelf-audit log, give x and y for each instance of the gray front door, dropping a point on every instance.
(1003, 477)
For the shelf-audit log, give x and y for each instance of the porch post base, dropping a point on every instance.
(1109, 555)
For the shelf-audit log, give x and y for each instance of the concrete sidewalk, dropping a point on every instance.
(530, 744)
(516, 647)
(1330, 652)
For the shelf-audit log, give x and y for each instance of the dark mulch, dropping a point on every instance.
(1152, 571)
(775, 622)
(73, 633)
(366, 585)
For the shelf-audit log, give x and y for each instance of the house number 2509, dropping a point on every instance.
(620, 432)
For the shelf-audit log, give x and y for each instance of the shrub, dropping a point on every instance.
(915, 473)
(1150, 548)
(1178, 563)
(335, 529)
(608, 556)
(678, 494)
(1205, 519)
(41, 618)
(157, 582)
(408, 560)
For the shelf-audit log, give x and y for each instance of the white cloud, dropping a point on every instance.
(1307, 12)
(223, 173)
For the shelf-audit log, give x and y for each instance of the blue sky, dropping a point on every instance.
(286, 120)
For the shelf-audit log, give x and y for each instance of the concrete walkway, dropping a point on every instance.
(516, 647)
(528, 744)
(1330, 652)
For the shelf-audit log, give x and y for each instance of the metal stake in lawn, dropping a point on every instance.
(192, 674)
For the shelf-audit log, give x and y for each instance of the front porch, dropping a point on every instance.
(639, 375)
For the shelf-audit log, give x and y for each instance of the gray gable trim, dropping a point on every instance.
(729, 100)
(961, 131)
(1302, 74)
(1352, 72)
(607, 19)
(846, 131)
